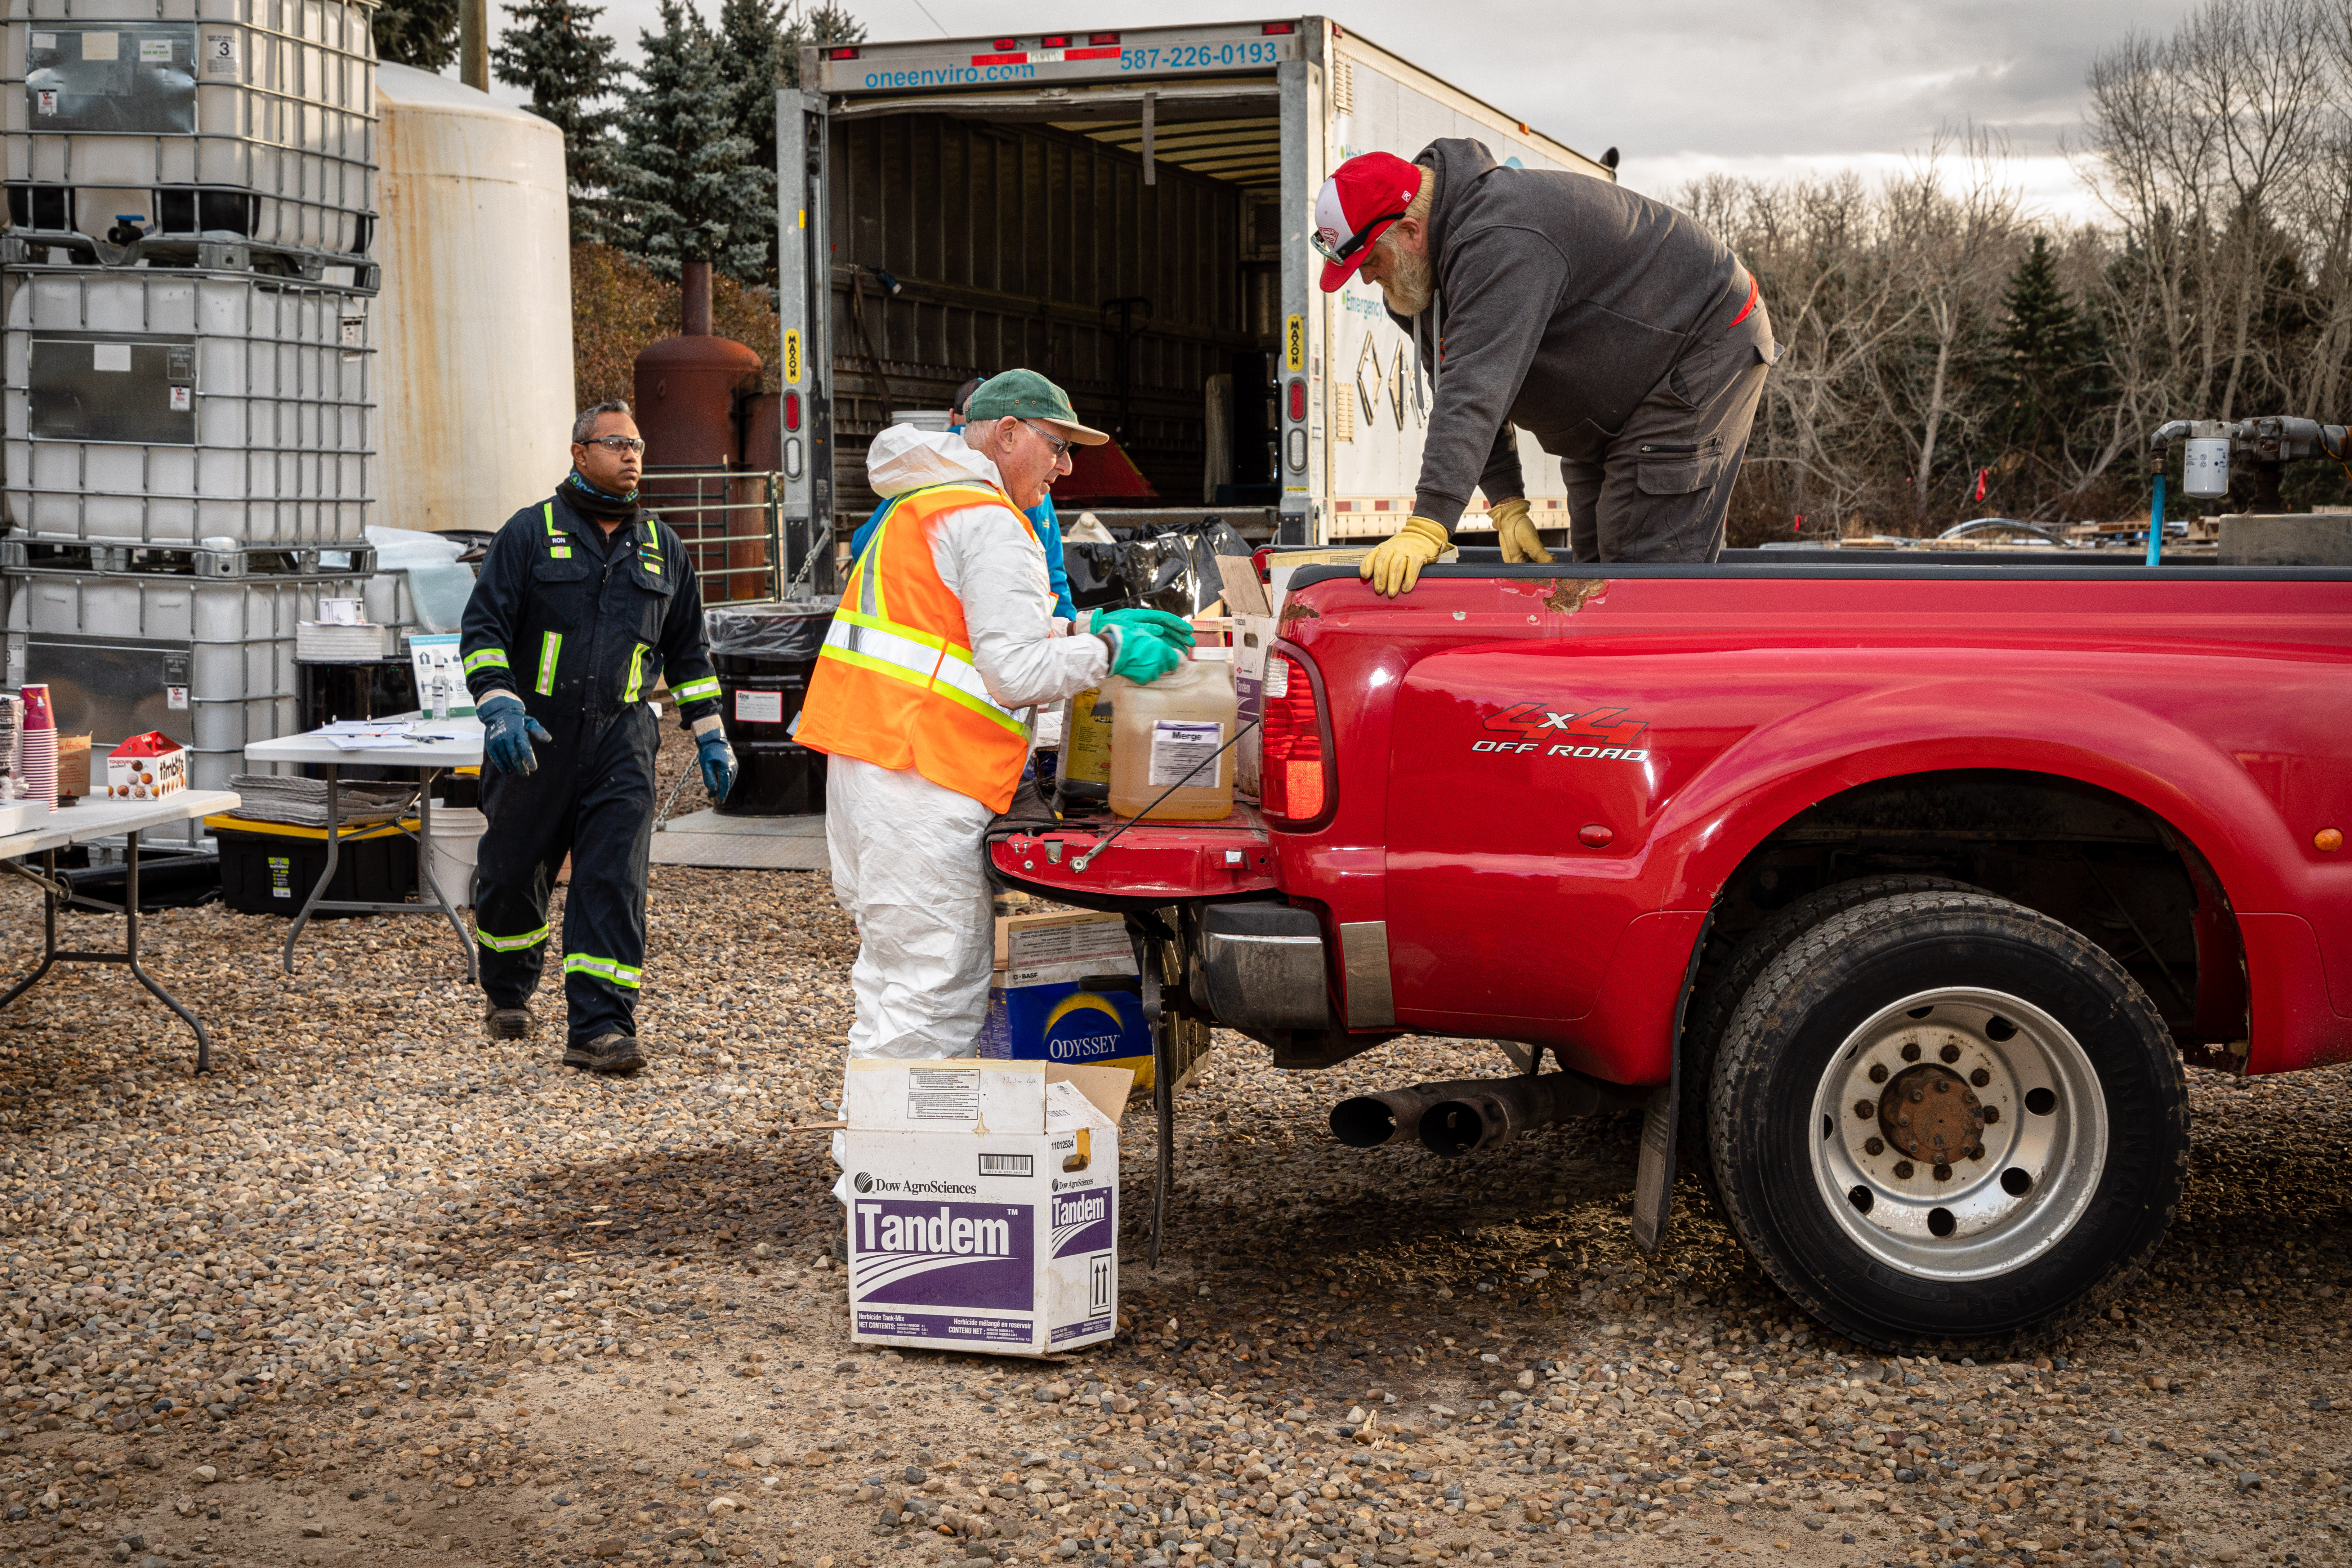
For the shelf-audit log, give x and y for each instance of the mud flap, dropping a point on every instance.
(1654, 1179)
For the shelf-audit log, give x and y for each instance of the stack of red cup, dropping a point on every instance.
(39, 762)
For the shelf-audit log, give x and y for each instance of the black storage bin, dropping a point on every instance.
(764, 656)
(269, 868)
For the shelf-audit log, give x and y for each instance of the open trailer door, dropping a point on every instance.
(805, 361)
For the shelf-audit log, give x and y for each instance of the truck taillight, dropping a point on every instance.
(1102, 38)
(791, 410)
(841, 54)
(1279, 29)
(1294, 779)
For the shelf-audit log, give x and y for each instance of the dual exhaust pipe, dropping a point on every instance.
(1456, 1118)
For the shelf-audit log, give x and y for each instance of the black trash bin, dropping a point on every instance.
(764, 655)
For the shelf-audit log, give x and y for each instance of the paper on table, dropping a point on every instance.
(378, 742)
(365, 727)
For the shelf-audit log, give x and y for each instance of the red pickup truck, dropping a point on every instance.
(1898, 893)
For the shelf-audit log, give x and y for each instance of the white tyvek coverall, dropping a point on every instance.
(905, 851)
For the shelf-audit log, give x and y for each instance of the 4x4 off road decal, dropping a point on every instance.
(1599, 735)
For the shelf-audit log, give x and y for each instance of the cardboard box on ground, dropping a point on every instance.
(1048, 1000)
(983, 1204)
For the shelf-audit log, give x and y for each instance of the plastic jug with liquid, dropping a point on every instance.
(1169, 739)
(1082, 768)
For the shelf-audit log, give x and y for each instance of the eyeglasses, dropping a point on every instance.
(1061, 448)
(616, 443)
(1354, 242)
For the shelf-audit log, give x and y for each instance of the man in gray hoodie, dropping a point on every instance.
(1622, 335)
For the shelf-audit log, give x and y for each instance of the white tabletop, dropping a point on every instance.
(105, 818)
(313, 746)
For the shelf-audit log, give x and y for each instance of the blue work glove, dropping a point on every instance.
(507, 732)
(1142, 657)
(717, 764)
(1174, 631)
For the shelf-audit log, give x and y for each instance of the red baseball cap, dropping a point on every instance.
(1355, 207)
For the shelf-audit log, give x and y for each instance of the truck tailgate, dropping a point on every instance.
(1147, 864)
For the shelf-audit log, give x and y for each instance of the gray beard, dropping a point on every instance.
(1405, 280)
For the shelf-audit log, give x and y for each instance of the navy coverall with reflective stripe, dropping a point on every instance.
(579, 628)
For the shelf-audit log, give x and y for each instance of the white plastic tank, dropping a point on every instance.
(475, 320)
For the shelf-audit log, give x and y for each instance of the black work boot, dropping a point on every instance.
(507, 1023)
(605, 1053)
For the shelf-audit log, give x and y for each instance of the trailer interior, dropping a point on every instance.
(984, 232)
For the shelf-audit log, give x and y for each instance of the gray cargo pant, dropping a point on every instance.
(1661, 490)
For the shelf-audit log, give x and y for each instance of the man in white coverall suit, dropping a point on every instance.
(943, 640)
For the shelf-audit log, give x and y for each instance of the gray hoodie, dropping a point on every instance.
(1561, 299)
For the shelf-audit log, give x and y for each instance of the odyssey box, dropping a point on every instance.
(983, 1207)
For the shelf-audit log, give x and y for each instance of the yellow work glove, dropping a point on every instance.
(1395, 565)
(1515, 532)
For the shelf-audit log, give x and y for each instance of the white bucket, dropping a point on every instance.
(457, 838)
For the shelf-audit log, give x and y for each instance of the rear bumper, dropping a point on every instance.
(1149, 865)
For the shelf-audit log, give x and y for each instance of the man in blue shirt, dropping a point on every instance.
(1041, 517)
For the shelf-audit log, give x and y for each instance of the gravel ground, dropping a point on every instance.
(379, 1290)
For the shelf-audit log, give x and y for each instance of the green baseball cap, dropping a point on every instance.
(1026, 394)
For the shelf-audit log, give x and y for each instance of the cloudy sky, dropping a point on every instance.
(1686, 87)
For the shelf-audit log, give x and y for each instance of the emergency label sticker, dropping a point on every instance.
(175, 699)
(1184, 752)
(760, 707)
(220, 55)
(99, 46)
(943, 1094)
(109, 356)
(155, 52)
(45, 101)
(182, 399)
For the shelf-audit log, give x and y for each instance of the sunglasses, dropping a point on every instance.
(1354, 242)
(616, 443)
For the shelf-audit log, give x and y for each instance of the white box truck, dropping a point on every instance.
(1126, 211)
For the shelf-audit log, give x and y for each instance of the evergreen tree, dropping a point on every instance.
(760, 51)
(2049, 377)
(555, 53)
(688, 178)
(420, 33)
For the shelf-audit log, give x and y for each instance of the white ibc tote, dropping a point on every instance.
(130, 123)
(240, 637)
(158, 406)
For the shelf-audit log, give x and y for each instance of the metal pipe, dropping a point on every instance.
(1501, 1108)
(1392, 1115)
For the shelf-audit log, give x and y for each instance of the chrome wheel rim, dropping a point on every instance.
(1979, 1071)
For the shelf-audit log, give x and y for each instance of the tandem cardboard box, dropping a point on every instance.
(983, 1204)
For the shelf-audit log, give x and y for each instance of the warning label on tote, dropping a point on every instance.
(950, 1094)
(1184, 752)
(760, 707)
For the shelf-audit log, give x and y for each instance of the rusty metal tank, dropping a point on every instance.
(688, 386)
(689, 392)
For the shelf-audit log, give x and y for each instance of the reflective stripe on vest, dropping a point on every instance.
(559, 543)
(510, 943)
(637, 673)
(486, 658)
(703, 690)
(551, 649)
(894, 683)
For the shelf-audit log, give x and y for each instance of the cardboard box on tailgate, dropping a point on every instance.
(1041, 1007)
(983, 1206)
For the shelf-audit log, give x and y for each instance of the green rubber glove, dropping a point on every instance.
(1175, 631)
(1142, 657)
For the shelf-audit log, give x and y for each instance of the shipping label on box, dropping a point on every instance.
(146, 767)
(1024, 941)
(973, 1236)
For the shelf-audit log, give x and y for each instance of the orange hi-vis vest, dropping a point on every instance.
(894, 684)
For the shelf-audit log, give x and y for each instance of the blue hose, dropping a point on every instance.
(2156, 526)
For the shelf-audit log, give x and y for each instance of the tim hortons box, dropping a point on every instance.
(983, 1206)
